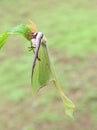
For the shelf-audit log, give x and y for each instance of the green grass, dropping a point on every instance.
(71, 29)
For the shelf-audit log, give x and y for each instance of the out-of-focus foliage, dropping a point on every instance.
(71, 28)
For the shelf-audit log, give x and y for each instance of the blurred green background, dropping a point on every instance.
(71, 29)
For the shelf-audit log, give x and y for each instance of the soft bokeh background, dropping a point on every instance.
(71, 29)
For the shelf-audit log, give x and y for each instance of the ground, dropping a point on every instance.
(70, 27)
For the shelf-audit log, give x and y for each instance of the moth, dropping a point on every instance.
(41, 66)
(36, 39)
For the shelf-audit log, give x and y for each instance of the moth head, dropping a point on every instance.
(35, 37)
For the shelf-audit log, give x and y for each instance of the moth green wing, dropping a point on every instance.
(42, 74)
(45, 73)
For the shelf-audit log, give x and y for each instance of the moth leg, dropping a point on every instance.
(38, 58)
(32, 49)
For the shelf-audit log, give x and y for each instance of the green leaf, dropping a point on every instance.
(3, 39)
(18, 30)
(21, 30)
(44, 72)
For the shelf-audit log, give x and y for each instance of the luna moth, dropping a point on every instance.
(43, 70)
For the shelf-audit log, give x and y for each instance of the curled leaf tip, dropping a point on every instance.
(32, 26)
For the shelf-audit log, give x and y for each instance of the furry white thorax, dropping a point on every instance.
(34, 40)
